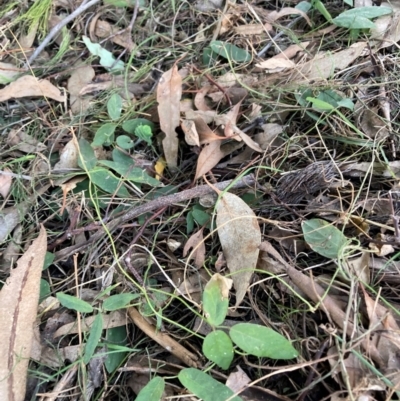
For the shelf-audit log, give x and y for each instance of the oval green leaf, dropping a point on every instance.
(152, 391)
(230, 52)
(130, 126)
(118, 301)
(116, 337)
(204, 386)
(104, 135)
(323, 237)
(74, 303)
(94, 338)
(108, 182)
(125, 142)
(262, 341)
(114, 106)
(87, 159)
(218, 348)
(215, 300)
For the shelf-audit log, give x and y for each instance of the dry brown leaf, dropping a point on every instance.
(5, 182)
(22, 141)
(81, 76)
(240, 238)
(199, 99)
(252, 29)
(275, 64)
(19, 300)
(190, 131)
(67, 187)
(169, 93)
(196, 242)
(292, 50)
(69, 156)
(386, 32)
(275, 15)
(266, 138)
(324, 65)
(206, 134)
(105, 30)
(29, 86)
(209, 157)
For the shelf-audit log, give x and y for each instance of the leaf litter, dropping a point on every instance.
(290, 102)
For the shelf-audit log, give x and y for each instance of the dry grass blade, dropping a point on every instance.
(19, 300)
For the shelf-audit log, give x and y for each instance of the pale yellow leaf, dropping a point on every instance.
(169, 93)
(19, 301)
(240, 238)
(29, 86)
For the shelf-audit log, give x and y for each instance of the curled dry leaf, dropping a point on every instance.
(24, 142)
(240, 238)
(5, 182)
(275, 65)
(19, 300)
(104, 30)
(196, 242)
(30, 86)
(191, 134)
(169, 93)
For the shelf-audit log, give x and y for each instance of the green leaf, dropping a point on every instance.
(107, 59)
(125, 142)
(118, 301)
(200, 216)
(189, 223)
(262, 341)
(94, 338)
(45, 290)
(218, 348)
(215, 299)
(115, 336)
(144, 133)
(104, 135)
(323, 237)
(48, 260)
(87, 159)
(320, 104)
(347, 103)
(74, 303)
(204, 386)
(318, 5)
(353, 22)
(134, 174)
(114, 106)
(130, 126)
(230, 52)
(152, 391)
(122, 158)
(366, 12)
(108, 182)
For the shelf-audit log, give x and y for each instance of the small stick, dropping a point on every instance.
(158, 203)
(56, 30)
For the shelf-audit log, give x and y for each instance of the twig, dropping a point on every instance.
(158, 203)
(56, 30)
